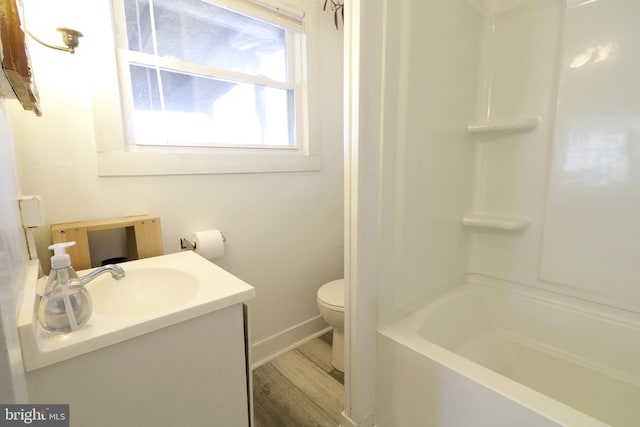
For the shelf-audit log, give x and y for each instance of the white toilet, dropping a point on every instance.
(331, 303)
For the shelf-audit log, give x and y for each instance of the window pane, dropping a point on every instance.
(145, 89)
(139, 25)
(198, 32)
(208, 111)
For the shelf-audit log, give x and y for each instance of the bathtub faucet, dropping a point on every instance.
(116, 271)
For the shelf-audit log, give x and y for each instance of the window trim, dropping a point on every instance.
(115, 157)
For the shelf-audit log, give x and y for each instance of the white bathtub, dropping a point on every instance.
(482, 356)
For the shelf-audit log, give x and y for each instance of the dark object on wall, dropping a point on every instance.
(337, 7)
(16, 63)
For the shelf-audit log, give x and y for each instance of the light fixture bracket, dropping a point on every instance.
(70, 38)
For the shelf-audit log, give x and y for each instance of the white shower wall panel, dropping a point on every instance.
(576, 176)
(519, 63)
(591, 232)
(432, 50)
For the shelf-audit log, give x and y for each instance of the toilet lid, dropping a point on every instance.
(332, 293)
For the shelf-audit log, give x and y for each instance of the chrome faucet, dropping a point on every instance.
(116, 271)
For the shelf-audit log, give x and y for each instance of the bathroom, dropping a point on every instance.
(284, 230)
(414, 172)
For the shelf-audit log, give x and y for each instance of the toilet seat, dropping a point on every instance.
(331, 295)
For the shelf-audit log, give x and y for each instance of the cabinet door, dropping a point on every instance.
(192, 373)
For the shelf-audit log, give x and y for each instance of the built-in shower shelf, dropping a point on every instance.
(524, 124)
(496, 222)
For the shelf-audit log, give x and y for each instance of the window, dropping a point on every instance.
(163, 106)
(194, 73)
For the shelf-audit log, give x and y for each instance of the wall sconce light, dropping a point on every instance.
(70, 38)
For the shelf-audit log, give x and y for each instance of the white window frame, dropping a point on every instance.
(117, 157)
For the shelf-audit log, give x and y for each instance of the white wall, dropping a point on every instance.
(284, 230)
(364, 54)
(13, 264)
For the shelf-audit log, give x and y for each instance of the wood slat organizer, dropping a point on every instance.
(144, 237)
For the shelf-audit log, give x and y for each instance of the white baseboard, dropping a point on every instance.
(368, 421)
(271, 347)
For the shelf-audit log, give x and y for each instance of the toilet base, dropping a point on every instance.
(337, 350)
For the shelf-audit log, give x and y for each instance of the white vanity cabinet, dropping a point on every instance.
(165, 346)
(193, 373)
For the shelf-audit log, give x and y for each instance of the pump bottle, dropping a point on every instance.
(65, 305)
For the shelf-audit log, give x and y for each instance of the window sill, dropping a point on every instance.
(123, 163)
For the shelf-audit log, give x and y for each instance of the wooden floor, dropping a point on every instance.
(299, 388)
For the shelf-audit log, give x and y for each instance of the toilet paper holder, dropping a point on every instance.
(189, 245)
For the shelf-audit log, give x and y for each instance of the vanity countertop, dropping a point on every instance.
(210, 288)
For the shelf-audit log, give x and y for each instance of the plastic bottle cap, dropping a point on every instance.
(60, 258)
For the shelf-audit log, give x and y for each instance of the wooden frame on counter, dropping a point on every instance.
(144, 237)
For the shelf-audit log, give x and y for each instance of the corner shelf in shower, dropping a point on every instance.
(496, 222)
(524, 124)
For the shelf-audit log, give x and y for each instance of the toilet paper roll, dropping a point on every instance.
(209, 243)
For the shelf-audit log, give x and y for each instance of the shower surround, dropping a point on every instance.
(510, 163)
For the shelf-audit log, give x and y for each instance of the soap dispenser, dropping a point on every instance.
(65, 305)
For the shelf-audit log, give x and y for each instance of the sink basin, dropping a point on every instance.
(142, 292)
(156, 293)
